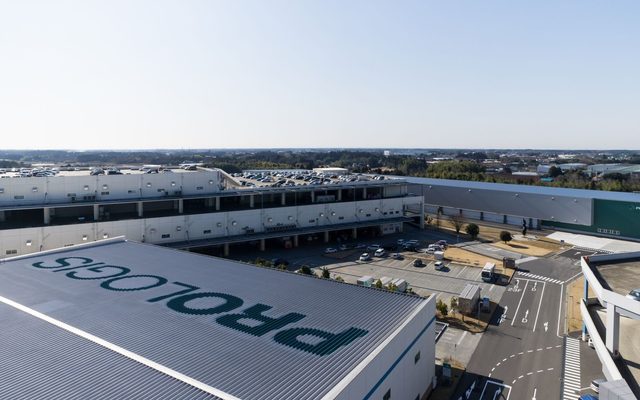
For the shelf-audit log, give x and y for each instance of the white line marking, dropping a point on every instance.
(560, 312)
(539, 305)
(520, 302)
(461, 337)
(460, 273)
(120, 350)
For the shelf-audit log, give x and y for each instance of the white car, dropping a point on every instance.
(373, 247)
(439, 265)
(365, 257)
(329, 250)
(380, 253)
(397, 256)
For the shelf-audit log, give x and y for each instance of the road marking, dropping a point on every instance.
(540, 370)
(540, 349)
(546, 326)
(463, 269)
(535, 390)
(520, 302)
(503, 316)
(500, 385)
(560, 311)
(544, 285)
(540, 277)
(571, 381)
(525, 319)
(461, 337)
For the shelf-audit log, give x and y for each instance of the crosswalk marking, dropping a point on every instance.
(571, 381)
(540, 277)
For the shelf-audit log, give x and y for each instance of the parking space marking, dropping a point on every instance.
(493, 394)
(520, 302)
(463, 269)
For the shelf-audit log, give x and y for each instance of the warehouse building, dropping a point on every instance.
(118, 319)
(593, 212)
(199, 208)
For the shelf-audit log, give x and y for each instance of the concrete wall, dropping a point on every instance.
(392, 366)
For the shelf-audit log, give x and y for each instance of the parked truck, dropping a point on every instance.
(489, 272)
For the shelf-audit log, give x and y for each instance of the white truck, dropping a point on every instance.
(489, 272)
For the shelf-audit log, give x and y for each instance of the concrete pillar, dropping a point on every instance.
(2, 216)
(313, 196)
(47, 215)
(422, 215)
(354, 233)
(140, 207)
(283, 199)
(251, 201)
(586, 298)
(326, 236)
(339, 194)
(402, 226)
(217, 203)
(263, 245)
(96, 212)
(295, 241)
(613, 328)
(364, 193)
(180, 206)
(225, 249)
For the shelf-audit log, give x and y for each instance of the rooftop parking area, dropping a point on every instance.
(275, 178)
(619, 277)
(62, 171)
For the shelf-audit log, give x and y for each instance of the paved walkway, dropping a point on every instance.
(596, 243)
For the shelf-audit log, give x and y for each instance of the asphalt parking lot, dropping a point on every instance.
(577, 253)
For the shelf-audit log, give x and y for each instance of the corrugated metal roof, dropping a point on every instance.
(41, 361)
(244, 365)
(543, 190)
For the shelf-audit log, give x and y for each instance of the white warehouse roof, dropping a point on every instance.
(115, 318)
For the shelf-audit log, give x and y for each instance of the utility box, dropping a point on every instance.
(401, 285)
(439, 255)
(365, 281)
(468, 299)
(508, 262)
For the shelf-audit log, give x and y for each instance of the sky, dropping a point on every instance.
(326, 73)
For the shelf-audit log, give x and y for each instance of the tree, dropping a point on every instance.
(505, 236)
(305, 270)
(442, 308)
(392, 287)
(457, 222)
(379, 284)
(472, 230)
(554, 171)
(339, 279)
(325, 273)
(453, 303)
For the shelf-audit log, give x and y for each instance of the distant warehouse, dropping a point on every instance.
(118, 319)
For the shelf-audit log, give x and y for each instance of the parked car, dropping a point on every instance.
(329, 250)
(343, 247)
(439, 265)
(634, 295)
(365, 257)
(409, 247)
(442, 243)
(373, 247)
(380, 253)
(397, 256)
(418, 263)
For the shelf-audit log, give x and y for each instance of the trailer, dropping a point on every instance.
(468, 299)
(365, 281)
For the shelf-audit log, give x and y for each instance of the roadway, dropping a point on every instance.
(522, 353)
